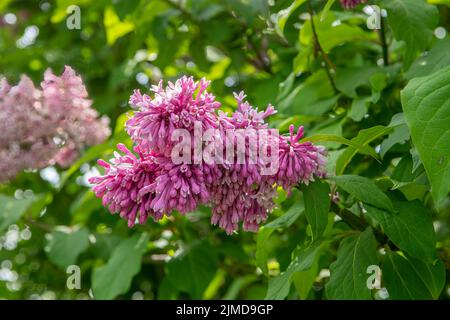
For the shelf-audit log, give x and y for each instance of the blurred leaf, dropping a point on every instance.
(283, 15)
(114, 27)
(92, 153)
(348, 274)
(349, 79)
(378, 81)
(115, 277)
(280, 285)
(66, 244)
(326, 8)
(426, 104)
(193, 270)
(359, 108)
(314, 89)
(125, 7)
(263, 244)
(82, 207)
(434, 60)
(12, 209)
(412, 279)
(330, 34)
(412, 22)
(237, 285)
(400, 134)
(4, 4)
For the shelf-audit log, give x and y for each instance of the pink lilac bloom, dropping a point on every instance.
(234, 197)
(350, 4)
(179, 187)
(67, 104)
(177, 106)
(47, 125)
(151, 184)
(299, 162)
(125, 186)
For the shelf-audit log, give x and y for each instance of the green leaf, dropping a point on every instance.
(378, 81)
(403, 170)
(435, 60)
(287, 219)
(359, 108)
(399, 134)
(348, 274)
(125, 7)
(426, 105)
(115, 277)
(4, 4)
(280, 285)
(12, 209)
(317, 204)
(114, 27)
(407, 278)
(365, 190)
(412, 22)
(326, 9)
(334, 138)
(410, 228)
(283, 15)
(263, 244)
(304, 280)
(364, 137)
(193, 270)
(315, 89)
(92, 153)
(66, 244)
(329, 34)
(349, 79)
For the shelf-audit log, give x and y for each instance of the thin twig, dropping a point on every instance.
(318, 48)
(40, 225)
(357, 222)
(384, 46)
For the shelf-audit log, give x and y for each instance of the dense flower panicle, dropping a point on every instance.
(177, 106)
(236, 189)
(46, 125)
(349, 4)
(67, 100)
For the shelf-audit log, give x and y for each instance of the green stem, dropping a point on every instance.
(318, 48)
(384, 46)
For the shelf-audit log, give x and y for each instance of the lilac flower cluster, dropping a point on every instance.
(147, 182)
(350, 4)
(47, 125)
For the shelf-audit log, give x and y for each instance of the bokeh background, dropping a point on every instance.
(49, 218)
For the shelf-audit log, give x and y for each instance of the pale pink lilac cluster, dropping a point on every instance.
(350, 4)
(47, 125)
(147, 182)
